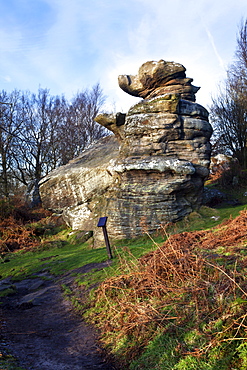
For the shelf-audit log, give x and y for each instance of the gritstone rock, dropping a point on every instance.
(151, 171)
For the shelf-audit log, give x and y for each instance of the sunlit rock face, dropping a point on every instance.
(159, 78)
(155, 172)
(77, 189)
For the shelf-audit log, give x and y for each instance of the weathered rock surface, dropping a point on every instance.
(77, 188)
(151, 172)
(159, 78)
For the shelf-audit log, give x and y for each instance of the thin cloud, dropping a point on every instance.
(212, 42)
(7, 78)
(68, 46)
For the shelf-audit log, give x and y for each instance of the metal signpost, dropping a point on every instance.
(102, 223)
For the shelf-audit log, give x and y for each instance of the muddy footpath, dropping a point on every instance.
(42, 331)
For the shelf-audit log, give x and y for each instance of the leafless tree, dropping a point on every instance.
(11, 123)
(229, 108)
(78, 129)
(39, 132)
(32, 152)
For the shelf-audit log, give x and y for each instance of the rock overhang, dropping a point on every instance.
(160, 160)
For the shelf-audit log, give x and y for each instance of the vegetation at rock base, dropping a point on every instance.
(173, 300)
(8, 362)
(189, 295)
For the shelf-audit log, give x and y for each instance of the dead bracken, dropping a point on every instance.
(193, 280)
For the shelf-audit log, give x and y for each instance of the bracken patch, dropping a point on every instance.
(187, 282)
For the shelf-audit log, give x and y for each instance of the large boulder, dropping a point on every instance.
(151, 172)
(77, 189)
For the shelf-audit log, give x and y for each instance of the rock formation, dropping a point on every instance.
(158, 174)
(159, 78)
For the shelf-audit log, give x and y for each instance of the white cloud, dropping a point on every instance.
(71, 45)
(7, 78)
(176, 31)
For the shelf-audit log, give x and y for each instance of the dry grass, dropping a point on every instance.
(14, 236)
(17, 226)
(186, 282)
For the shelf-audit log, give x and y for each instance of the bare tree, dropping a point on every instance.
(11, 123)
(229, 108)
(39, 132)
(36, 151)
(79, 129)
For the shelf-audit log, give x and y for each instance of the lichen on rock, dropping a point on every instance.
(156, 162)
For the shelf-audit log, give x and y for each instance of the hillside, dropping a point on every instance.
(183, 305)
(173, 300)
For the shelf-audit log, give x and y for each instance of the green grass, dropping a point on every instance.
(62, 252)
(162, 353)
(7, 292)
(165, 350)
(206, 218)
(8, 362)
(56, 258)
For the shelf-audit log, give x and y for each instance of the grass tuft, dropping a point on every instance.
(183, 293)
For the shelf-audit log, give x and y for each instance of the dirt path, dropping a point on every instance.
(43, 332)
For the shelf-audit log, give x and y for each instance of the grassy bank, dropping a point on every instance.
(182, 306)
(173, 300)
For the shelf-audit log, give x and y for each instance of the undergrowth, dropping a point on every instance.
(8, 362)
(175, 300)
(189, 295)
(21, 227)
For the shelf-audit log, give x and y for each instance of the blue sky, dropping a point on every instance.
(70, 45)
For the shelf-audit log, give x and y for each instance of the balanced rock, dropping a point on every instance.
(154, 172)
(157, 78)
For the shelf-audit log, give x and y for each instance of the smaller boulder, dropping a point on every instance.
(213, 197)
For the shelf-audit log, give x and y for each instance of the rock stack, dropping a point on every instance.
(164, 155)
